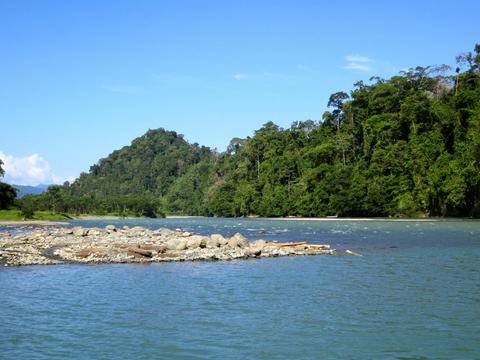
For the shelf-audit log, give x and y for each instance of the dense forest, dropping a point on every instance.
(7, 192)
(404, 146)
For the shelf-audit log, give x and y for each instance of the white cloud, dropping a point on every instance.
(29, 170)
(357, 66)
(358, 58)
(239, 76)
(358, 62)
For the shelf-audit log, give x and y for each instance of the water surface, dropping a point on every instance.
(414, 294)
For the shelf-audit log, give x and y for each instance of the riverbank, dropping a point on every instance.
(16, 215)
(58, 245)
(34, 222)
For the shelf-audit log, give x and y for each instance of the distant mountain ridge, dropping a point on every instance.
(23, 190)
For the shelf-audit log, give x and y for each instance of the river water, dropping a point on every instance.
(414, 294)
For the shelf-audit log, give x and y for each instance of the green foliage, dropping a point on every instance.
(17, 215)
(27, 210)
(402, 146)
(7, 195)
(399, 147)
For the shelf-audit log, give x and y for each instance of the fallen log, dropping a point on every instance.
(299, 243)
(318, 246)
(286, 244)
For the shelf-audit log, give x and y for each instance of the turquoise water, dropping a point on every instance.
(415, 294)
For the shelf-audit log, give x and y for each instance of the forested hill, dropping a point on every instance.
(149, 166)
(404, 146)
(408, 145)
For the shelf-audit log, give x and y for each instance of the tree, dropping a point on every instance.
(55, 196)
(406, 145)
(27, 209)
(7, 195)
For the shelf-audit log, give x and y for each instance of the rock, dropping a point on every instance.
(94, 232)
(260, 244)
(79, 231)
(164, 232)
(125, 227)
(135, 251)
(221, 240)
(172, 244)
(186, 234)
(160, 249)
(212, 243)
(238, 240)
(254, 251)
(85, 252)
(233, 243)
(137, 229)
(194, 242)
(176, 244)
(110, 228)
(181, 245)
(256, 247)
(53, 246)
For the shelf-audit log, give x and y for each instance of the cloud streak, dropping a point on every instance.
(358, 62)
(266, 75)
(29, 170)
(239, 76)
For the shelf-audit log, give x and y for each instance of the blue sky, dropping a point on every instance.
(83, 78)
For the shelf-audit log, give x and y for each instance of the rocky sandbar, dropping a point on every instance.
(58, 245)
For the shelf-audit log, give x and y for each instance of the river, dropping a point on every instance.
(415, 293)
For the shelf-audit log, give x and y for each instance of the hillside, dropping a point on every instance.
(149, 166)
(158, 171)
(404, 146)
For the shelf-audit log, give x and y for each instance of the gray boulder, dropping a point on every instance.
(221, 240)
(138, 228)
(164, 232)
(94, 232)
(181, 245)
(194, 242)
(260, 243)
(110, 228)
(212, 243)
(79, 231)
(172, 244)
(238, 240)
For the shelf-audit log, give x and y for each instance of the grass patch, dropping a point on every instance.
(38, 215)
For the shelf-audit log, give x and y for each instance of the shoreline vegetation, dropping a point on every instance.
(403, 147)
(65, 220)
